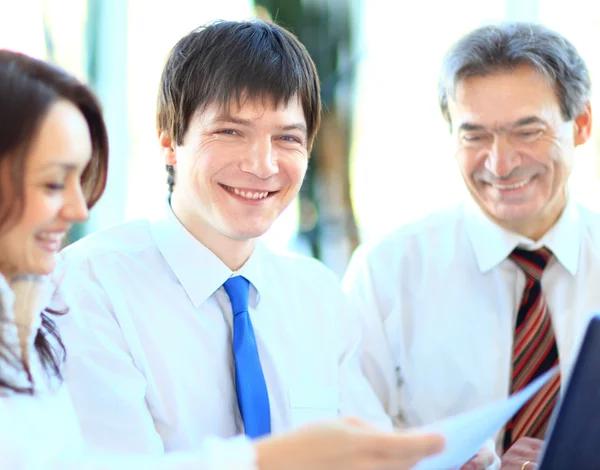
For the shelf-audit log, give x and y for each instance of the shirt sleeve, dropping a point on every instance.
(117, 419)
(376, 358)
(357, 398)
(215, 454)
(40, 431)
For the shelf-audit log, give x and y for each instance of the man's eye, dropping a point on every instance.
(530, 133)
(291, 138)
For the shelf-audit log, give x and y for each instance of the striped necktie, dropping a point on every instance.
(534, 351)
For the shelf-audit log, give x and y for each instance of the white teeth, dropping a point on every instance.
(50, 237)
(249, 195)
(506, 187)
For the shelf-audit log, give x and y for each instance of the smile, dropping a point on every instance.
(509, 187)
(52, 237)
(51, 241)
(248, 193)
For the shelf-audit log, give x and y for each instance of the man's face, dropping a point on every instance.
(239, 168)
(513, 147)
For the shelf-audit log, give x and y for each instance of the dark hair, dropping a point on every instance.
(28, 89)
(494, 48)
(228, 60)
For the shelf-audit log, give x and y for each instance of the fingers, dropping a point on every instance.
(531, 443)
(387, 463)
(408, 446)
(399, 445)
(485, 458)
(527, 447)
(358, 423)
(479, 462)
(402, 451)
(470, 465)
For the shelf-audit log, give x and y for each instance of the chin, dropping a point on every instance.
(513, 215)
(44, 268)
(240, 229)
(247, 233)
(41, 270)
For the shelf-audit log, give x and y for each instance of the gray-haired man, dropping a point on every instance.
(470, 305)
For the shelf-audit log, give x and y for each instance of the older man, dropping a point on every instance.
(470, 305)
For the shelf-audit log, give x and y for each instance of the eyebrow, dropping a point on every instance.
(235, 120)
(526, 121)
(65, 166)
(294, 127)
(249, 123)
(469, 127)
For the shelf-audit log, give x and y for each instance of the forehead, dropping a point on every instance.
(255, 109)
(63, 138)
(503, 98)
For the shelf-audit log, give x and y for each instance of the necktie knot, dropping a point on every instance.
(237, 289)
(532, 263)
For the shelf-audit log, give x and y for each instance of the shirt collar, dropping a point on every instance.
(252, 270)
(492, 244)
(200, 272)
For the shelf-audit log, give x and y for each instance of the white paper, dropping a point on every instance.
(466, 433)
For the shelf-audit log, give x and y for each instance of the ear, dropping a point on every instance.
(582, 126)
(167, 148)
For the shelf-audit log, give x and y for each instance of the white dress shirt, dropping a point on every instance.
(40, 431)
(439, 300)
(150, 364)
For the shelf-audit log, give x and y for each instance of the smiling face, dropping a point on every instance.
(237, 170)
(514, 149)
(53, 199)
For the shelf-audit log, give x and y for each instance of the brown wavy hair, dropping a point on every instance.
(28, 89)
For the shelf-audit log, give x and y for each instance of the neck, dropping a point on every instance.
(7, 272)
(233, 253)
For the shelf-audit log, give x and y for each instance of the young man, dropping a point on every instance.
(465, 307)
(187, 326)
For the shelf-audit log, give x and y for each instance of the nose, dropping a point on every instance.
(261, 160)
(75, 207)
(502, 157)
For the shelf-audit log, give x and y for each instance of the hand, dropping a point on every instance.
(526, 449)
(345, 445)
(480, 461)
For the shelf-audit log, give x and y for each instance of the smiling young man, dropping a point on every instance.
(187, 326)
(469, 305)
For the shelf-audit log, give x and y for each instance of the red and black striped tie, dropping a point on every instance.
(534, 351)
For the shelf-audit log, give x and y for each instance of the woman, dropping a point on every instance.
(53, 169)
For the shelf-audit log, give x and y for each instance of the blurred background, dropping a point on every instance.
(383, 157)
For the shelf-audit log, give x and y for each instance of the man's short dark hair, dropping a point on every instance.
(237, 60)
(494, 48)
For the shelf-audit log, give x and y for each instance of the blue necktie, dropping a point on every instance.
(253, 397)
